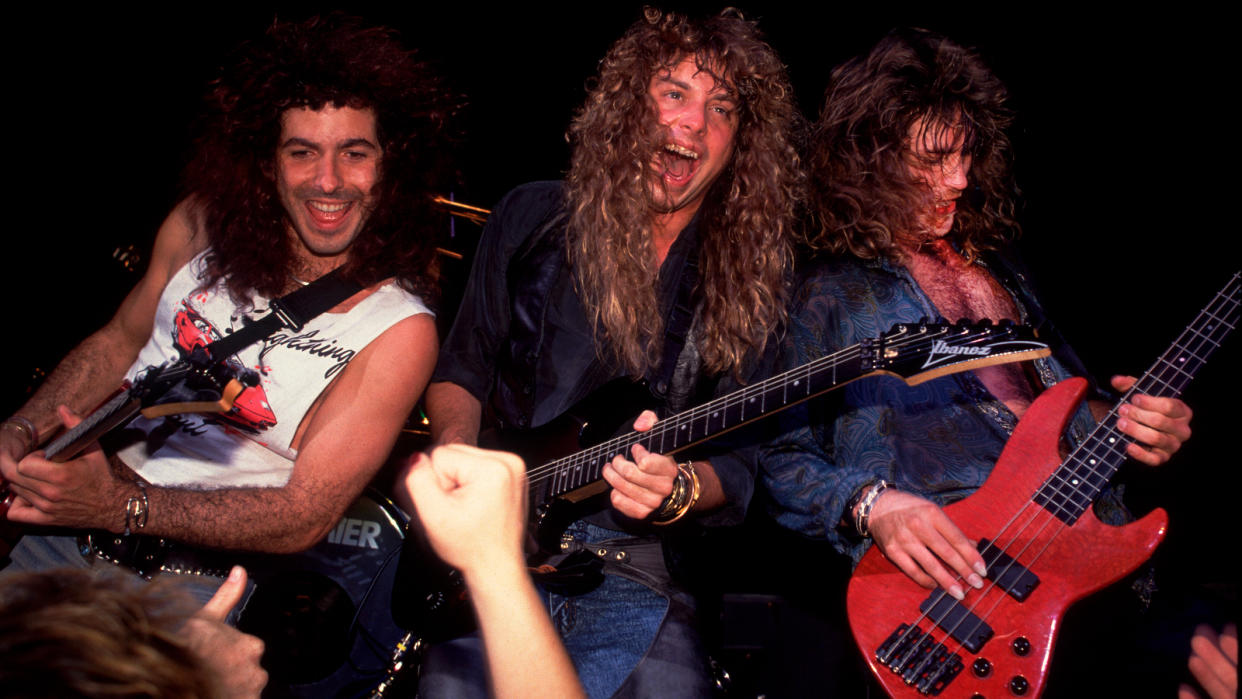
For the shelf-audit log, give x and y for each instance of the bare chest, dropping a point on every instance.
(961, 290)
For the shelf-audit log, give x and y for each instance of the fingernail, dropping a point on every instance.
(975, 581)
(955, 591)
(981, 569)
(235, 573)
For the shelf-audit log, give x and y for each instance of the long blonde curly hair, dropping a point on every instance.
(747, 218)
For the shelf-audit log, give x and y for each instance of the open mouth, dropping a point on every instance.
(679, 162)
(328, 212)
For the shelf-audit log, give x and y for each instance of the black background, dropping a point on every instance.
(1125, 148)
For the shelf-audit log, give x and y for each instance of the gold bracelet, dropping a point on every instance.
(687, 471)
(673, 502)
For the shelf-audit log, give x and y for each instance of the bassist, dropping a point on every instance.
(912, 193)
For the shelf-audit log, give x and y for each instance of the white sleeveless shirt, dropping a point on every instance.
(249, 447)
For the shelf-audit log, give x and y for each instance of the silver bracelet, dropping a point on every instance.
(27, 428)
(137, 507)
(862, 520)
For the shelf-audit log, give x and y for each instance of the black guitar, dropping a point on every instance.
(431, 594)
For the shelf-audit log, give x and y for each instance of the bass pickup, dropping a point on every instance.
(1015, 579)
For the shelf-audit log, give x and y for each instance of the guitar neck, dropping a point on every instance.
(933, 350)
(116, 411)
(1087, 470)
(210, 395)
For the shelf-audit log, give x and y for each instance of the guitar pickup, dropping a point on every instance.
(952, 616)
(1012, 577)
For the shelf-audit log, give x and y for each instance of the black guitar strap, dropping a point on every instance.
(148, 555)
(293, 311)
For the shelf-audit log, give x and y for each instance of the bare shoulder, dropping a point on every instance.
(180, 238)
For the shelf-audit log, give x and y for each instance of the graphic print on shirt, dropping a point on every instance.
(251, 411)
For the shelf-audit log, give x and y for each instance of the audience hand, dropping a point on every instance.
(232, 656)
(1213, 662)
(472, 504)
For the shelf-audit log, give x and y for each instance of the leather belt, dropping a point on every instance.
(149, 556)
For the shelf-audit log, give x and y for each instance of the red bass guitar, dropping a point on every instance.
(1043, 546)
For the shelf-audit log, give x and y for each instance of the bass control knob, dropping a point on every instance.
(1018, 685)
(1021, 646)
(982, 667)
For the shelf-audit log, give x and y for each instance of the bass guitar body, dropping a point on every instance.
(997, 642)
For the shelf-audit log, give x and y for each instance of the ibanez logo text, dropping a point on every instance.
(942, 352)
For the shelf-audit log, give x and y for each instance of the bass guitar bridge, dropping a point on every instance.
(920, 662)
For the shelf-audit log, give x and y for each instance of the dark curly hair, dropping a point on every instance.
(333, 60)
(862, 188)
(746, 219)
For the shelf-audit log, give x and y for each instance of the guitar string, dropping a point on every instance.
(687, 419)
(594, 460)
(1192, 341)
(105, 411)
(678, 421)
(1051, 517)
(1155, 375)
(565, 466)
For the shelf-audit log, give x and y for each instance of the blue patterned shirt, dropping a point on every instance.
(938, 440)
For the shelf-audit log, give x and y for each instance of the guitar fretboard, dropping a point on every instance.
(1071, 489)
(937, 346)
(63, 444)
(115, 412)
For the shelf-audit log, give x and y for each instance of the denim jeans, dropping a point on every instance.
(625, 638)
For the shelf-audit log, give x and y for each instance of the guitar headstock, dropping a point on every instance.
(190, 386)
(187, 386)
(918, 352)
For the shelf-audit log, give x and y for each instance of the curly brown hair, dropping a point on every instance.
(79, 633)
(746, 219)
(861, 185)
(333, 60)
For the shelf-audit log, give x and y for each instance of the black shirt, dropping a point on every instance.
(522, 342)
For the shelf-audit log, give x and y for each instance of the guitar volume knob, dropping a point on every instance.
(1018, 685)
(981, 667)
(1021, 646)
